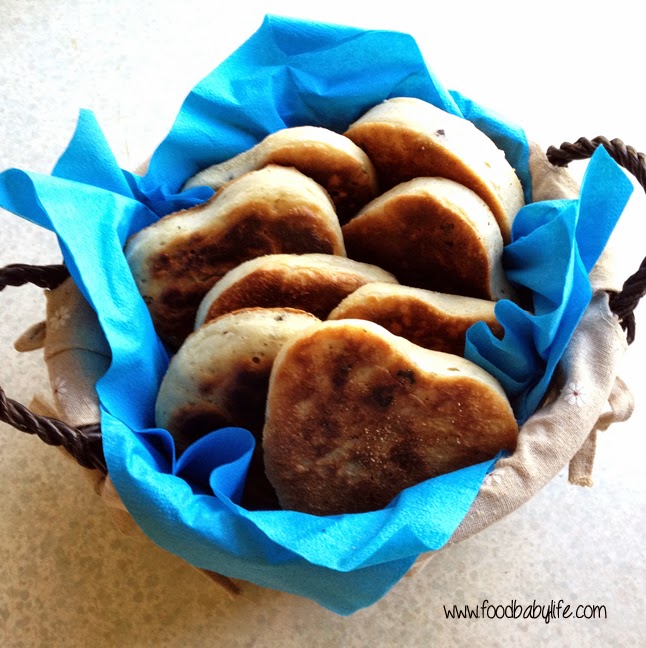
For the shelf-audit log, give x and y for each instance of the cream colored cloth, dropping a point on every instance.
(76, 352)
(559, 431)
(77, 355)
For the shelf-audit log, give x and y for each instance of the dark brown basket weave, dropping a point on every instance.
(84, 443)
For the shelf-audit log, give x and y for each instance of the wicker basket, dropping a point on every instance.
(74, 425)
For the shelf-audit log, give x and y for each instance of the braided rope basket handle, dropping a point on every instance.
(84, 443)
(623, 303)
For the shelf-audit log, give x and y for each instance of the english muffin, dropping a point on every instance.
(178, 259)
(356, 414)
(315, 283)
(219, 378)
(407, 138)
(432, 233)
(331, 159)
(430, 319)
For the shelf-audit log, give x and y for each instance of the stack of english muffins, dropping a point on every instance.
(321, 298)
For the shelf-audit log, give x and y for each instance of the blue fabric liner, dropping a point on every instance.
(554, 245)
(289, 73)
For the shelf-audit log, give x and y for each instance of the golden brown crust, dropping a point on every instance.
(191, 265)
(269, 287)
(311, 282)
(219, 378)
(400, 154)
(351, 183)
(355, 415)
(331, 159)
(427, 241)
(220, 374)
(420, 316)
(176, 264)
(407, 138)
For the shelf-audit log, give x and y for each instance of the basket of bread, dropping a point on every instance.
(320, 336)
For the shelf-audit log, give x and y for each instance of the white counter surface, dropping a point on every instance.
(68, 578)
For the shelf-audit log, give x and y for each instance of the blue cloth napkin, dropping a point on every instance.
(554, 245)
(288, 73)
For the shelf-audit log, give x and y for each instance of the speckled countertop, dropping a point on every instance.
(68, 578)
